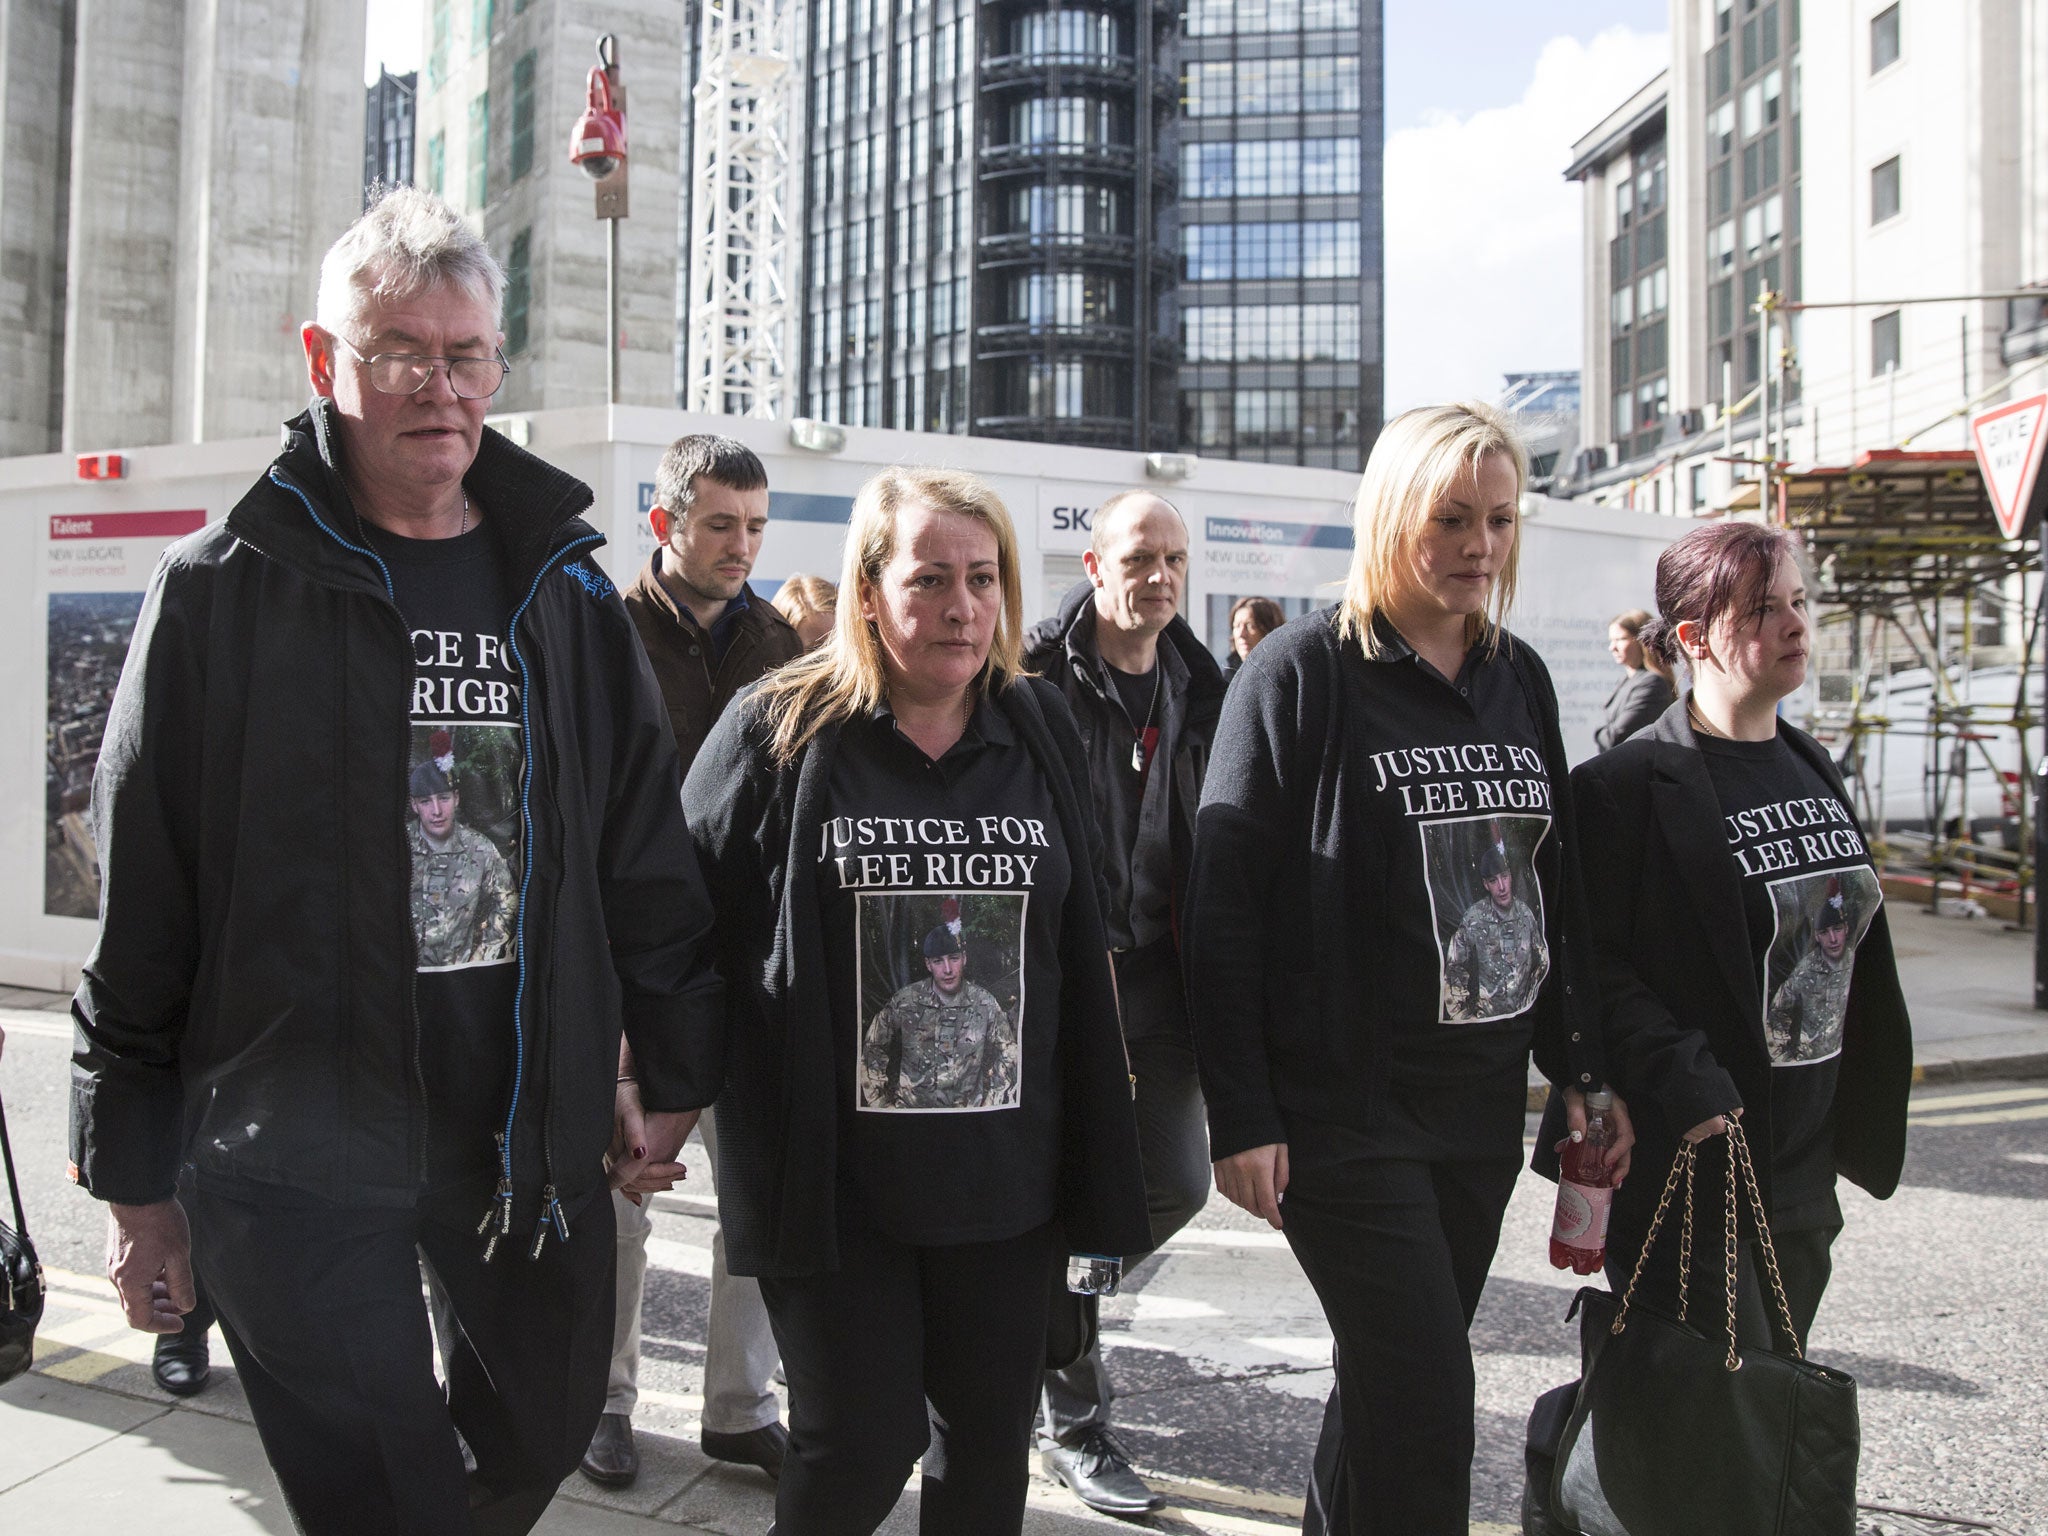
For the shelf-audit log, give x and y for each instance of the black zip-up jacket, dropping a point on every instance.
(1062, 650)
(1288, 874)
(249, 1005)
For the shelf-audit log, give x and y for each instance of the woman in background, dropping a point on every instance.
(809, 603)
(1251, 620)
(1645, 690)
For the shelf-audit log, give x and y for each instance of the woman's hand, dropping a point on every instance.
(1255, 1179)
(1622, 1149)
(645, 1148)
(1713, 1127)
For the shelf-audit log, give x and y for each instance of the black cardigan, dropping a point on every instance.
(1287, 877)
(1683, 1008)
(757, 828)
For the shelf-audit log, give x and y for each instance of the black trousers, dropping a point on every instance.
(904, 1348)
(322, 1310)
(1397, 1251)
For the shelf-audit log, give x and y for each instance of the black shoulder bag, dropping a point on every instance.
(1678, 1433)
(21, 1279)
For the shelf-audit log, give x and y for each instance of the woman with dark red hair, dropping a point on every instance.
(1745, 963)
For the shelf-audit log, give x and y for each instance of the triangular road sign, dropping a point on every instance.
(2008, 440)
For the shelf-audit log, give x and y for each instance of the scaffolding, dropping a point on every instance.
(741, 191)
(1905, 549)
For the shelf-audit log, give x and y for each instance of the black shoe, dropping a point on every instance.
(180, 1365)
(1100, 1475)
(764, 1447)
(612, 1460)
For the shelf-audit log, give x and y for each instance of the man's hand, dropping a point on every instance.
(1255, 1178)
(1621, 1150)
(149, 1259)
(645, 1146)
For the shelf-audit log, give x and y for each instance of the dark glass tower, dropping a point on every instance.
(1009, 203)
(1281, 254)
(1074, 336)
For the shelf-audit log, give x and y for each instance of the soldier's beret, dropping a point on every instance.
(942, 941)
(1493, 860)
(428, 779)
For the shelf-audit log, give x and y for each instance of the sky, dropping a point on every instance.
(1484, 99)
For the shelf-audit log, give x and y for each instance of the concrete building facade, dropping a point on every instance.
(502, 84)
(171, 176)
(1831, 151)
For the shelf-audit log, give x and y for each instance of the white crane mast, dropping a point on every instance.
(738, 358)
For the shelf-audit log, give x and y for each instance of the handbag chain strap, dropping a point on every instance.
(1731, 1249)
(1681, 1169)
(1741, 1183)
(1739, 1152)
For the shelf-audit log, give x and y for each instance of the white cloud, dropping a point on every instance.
(1482, 229)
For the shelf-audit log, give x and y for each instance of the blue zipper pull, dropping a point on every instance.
(551, 1220)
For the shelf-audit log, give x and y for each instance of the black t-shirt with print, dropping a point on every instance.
(940, 885)
(1808, 895)
(1450, 777)
(462, 826)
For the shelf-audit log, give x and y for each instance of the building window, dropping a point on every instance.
(480, 150)
(518, 291)
(522, 114)
(440, 23)
(1884, 38)
(1218, 18)
(1884, 344)
(437, 165)
(1263, 87)
(481, 14)
(1697, 491)
(1884, 191)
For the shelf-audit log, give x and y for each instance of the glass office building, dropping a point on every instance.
(1110, 223)
(1280, 227)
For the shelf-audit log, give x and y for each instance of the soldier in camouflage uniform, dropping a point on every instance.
(941, 1043)
(1805, 1022)
(1498, 957)
(462, 898)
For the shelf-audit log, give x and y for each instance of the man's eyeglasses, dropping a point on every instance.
(406, 373)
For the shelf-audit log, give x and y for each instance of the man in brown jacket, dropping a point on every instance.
(707, 637)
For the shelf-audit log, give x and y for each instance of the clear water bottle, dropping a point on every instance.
(1094, 1274)
(1585, 1193)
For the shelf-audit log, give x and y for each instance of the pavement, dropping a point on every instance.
(88, 1443)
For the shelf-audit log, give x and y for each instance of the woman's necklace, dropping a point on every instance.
(465, 514)
(1699, 721)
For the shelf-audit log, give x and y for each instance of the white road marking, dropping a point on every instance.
(1984, 1117)
(1940, 1103)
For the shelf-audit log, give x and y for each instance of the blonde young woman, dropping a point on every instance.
(926, 1105)
(1385, 921)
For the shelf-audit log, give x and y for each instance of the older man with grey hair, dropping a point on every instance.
(402, 597)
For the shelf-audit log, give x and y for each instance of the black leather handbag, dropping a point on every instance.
(21, 1278)
(1676, 1432)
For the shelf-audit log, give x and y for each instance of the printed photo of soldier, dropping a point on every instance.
(938, 1038)
(1821, 920)
(464, 889)
(1488, 908)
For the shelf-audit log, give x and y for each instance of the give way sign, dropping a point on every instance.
(2008, 439)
